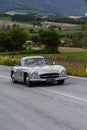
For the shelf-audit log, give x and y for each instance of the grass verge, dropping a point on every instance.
(74, 62)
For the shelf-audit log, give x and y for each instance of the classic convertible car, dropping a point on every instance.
(36, 69)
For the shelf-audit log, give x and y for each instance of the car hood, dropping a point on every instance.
(46, 69)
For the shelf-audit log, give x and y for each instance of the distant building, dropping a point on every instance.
(75, 17)
(15, 12)
(30, 42)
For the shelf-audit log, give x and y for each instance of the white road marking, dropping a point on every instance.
(65, 95)
(75, 77)
(5, 77)
(56, 92)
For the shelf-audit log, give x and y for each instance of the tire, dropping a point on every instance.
(13, 78)
(60, 82)
(27, 82)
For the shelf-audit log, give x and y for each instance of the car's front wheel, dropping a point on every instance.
(27, 82)
(60, 82)
(13, 78)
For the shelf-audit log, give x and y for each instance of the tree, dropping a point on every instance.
(6, 42)
(18, 37)
(13, 40)
(31, 30)
(35, 38)
(50, 39)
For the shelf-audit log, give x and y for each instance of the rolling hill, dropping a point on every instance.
(66, 7)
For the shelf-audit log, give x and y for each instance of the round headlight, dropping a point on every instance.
(35, 74)
(63, 73)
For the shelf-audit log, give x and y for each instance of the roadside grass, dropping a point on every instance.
(74, 65)
(74, 62)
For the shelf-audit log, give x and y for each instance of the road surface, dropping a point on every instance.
(42, 107)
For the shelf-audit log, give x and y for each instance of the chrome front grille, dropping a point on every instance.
(49, 75)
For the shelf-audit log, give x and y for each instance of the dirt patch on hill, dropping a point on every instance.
(10, 23)
(71, 49)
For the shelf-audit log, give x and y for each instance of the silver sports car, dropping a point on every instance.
(36, 69)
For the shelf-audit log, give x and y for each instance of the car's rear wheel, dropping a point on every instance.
(60, 82)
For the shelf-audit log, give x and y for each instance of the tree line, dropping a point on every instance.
(15, 39)
(51, 18)
(35, 17)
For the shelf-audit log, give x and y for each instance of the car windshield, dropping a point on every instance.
(35, 61)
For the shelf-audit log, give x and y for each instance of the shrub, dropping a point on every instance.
(74, 66)
(10, 61)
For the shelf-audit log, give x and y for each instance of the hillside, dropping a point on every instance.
(66, 7)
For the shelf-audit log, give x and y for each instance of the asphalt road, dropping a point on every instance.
(42, 107)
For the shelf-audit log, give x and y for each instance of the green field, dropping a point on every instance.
(76, 55)
(80, 55)
(5, 18)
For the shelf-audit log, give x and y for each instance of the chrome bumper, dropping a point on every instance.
(48, 80)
